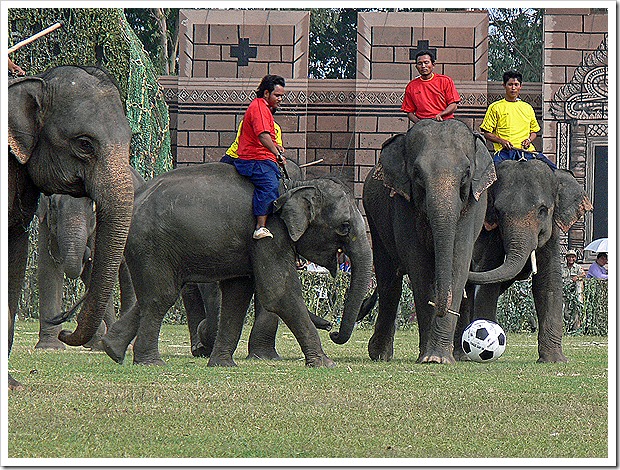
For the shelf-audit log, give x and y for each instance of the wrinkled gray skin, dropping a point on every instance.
(424, 216)
(66, 247)
(195, 224)
(202, 302)
(68, 134)
(528, 205)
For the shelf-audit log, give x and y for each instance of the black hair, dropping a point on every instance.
(601, 254)
(425, 52)
(512, 74)
(268, 83)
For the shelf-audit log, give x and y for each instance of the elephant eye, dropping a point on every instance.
(542, 211)
(85, 146)
(344, 229)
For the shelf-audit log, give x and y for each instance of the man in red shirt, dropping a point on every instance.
(431, 95)
(258, 151)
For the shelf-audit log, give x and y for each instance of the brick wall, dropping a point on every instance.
(576, 101)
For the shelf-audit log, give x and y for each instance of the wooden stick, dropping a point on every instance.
(311, 163)
(21, 44)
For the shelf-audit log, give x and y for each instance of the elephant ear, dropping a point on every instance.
(25, 101)
(297, 209)
(484, 172)
(392, 159)
(571, 202)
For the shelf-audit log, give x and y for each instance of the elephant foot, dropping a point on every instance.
(50, 342)
(436, 357)
(459, 355)
(15, 385)
(556, 356)
(225, 360)
(95, 344)
(115, 351)
(320, 361)
(264, 353)
(199, 350)
(381, 348)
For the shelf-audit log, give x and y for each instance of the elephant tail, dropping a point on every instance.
(66, 315)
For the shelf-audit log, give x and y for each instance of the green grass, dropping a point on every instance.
(81, 404)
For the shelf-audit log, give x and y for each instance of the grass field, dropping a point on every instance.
(81, 404)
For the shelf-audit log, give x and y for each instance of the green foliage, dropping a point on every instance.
(515, 42)
(90, 407)
(333, 47)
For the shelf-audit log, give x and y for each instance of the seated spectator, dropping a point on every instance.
(598, 269)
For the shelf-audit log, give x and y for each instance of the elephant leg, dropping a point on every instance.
(152, 313)
(128, 295)
(547, 292)
(389, 289)
(18, 258)
(50, 277)
(466, 314)
(195, 311)
(262, 341)
(236, 296)
(121, 333)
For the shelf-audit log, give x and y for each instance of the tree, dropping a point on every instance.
(158, 29)
(515, 42)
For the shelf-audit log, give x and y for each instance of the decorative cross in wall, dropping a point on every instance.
(243, 52)
(423, 45)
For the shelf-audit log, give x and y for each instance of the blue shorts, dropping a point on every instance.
(265, 176)
(515, 154)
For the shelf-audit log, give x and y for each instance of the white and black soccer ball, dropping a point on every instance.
(483, 341)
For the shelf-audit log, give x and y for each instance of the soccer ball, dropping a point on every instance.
(483, 341)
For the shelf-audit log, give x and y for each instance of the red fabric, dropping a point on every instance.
(257, 119)
(427, 98)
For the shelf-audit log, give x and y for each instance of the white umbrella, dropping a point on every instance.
(599, 245)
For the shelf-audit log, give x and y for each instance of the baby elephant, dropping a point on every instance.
(195, 224)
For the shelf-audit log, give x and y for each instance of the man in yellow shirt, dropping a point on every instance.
(510, 124)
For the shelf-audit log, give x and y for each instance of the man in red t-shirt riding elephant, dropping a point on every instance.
(259, 153)
(431, 95)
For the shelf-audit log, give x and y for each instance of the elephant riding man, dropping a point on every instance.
(511, 125)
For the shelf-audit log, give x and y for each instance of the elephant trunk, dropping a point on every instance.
(443, 209)
(518, 250)
(113, 194)
(360, 254)
(72, 245)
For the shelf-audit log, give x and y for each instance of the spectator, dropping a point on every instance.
(510, 124)
(258, 151)
(430, 95)
(598, 269)
(573, 273)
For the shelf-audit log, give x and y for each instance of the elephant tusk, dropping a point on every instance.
(533, 260)
(430, 302)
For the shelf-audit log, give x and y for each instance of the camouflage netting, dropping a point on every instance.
(101, 36)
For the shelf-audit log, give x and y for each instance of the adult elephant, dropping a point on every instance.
(68, 134)
(195, 224)
(66, 246)
(425, 202)
(528, 205)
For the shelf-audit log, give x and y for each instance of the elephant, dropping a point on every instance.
(202, 302)
(520, 223)
(425, 202)
(195, 224)
(66, 246)
(68, 134)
